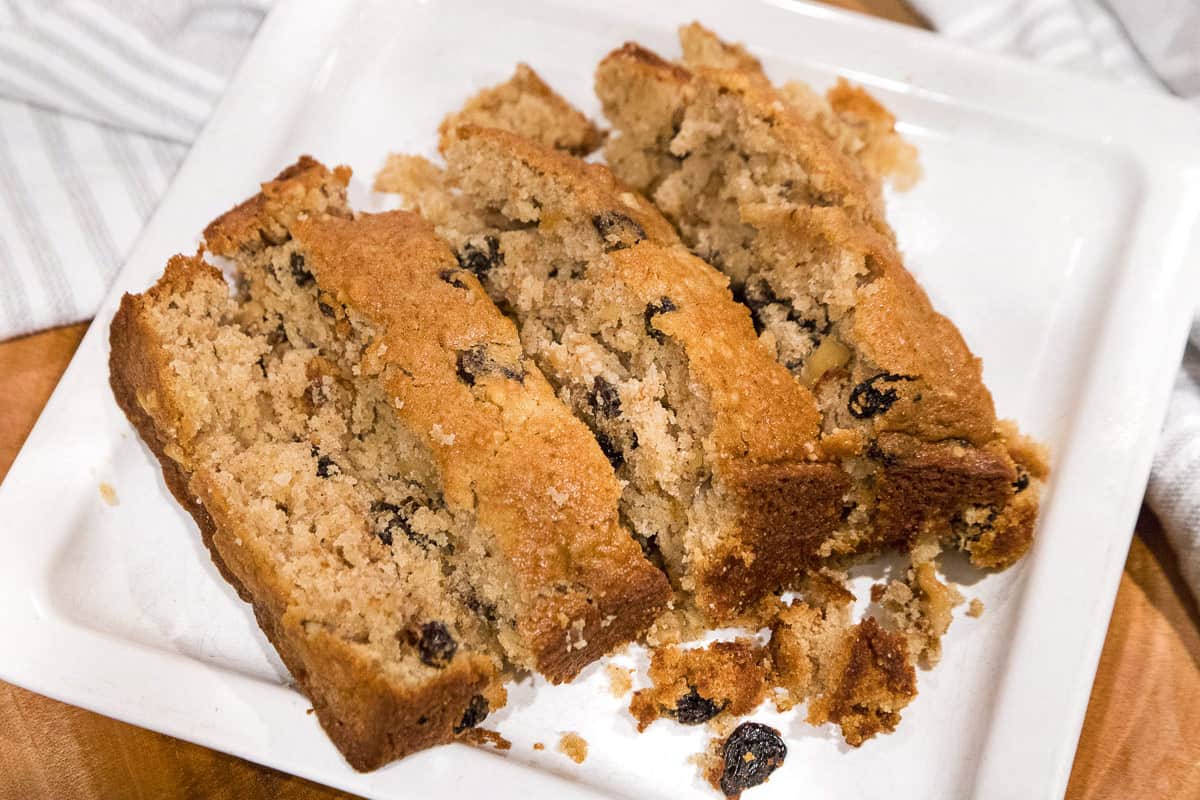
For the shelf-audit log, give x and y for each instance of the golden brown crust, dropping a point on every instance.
(370, 719)
(505, 448)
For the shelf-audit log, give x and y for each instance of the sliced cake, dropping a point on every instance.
(782, 192)
(377, 467)
(716, 445)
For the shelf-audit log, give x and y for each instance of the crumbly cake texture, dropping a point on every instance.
(782, 191)
(376, 467)
(696, 685)
(715, 442)
(525, 104)
(921, 605)
(857, 676)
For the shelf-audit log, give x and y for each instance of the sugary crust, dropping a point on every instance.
(505, 448)
(370, 719)
(526, 104)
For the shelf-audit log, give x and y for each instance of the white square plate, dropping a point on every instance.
(1055, 224)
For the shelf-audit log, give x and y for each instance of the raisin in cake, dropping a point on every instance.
(376, 467)
(782, 192)
(715, 442)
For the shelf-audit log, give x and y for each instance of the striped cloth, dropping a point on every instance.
(99, 100)
(1150, 44)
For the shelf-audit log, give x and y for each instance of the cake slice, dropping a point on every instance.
(526, 104)
(376, 466)
(783, 200)
(716, 445)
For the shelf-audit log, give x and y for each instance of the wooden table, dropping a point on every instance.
(1139, 739)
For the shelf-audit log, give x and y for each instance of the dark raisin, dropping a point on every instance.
(326, 466)
(475, 362)
(277, 336)
(454, 278)
(475, 713)
(633, 440)
(604, 399)
(868, 400)
(422, 720)
(300, 273)
(692, 709)
(610, 449)
(480, 260)
(752, 752)
(436, 646)
(391, 519)
(876, 452)
(653, 310)
(262, 364)
(617, 231)
(326, 309)
(848, 509)
(1022, 481)
(482, 608)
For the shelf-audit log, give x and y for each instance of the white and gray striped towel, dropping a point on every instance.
(99, 100)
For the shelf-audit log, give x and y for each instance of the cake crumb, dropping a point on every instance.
(482, 736)
(441, 436)
(310, 711)
(574, 746)
(109, 495)
(539, 746)
(620, 679)
(975, 608)
(695, 685)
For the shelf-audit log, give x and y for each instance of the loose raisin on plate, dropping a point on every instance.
(475, 713)
(617, 230)
(480, 260)
(653, 310)
(300, 272)
(751, 753)
(605, 399)
(868, 399)
(436, 646)
(693, 709)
